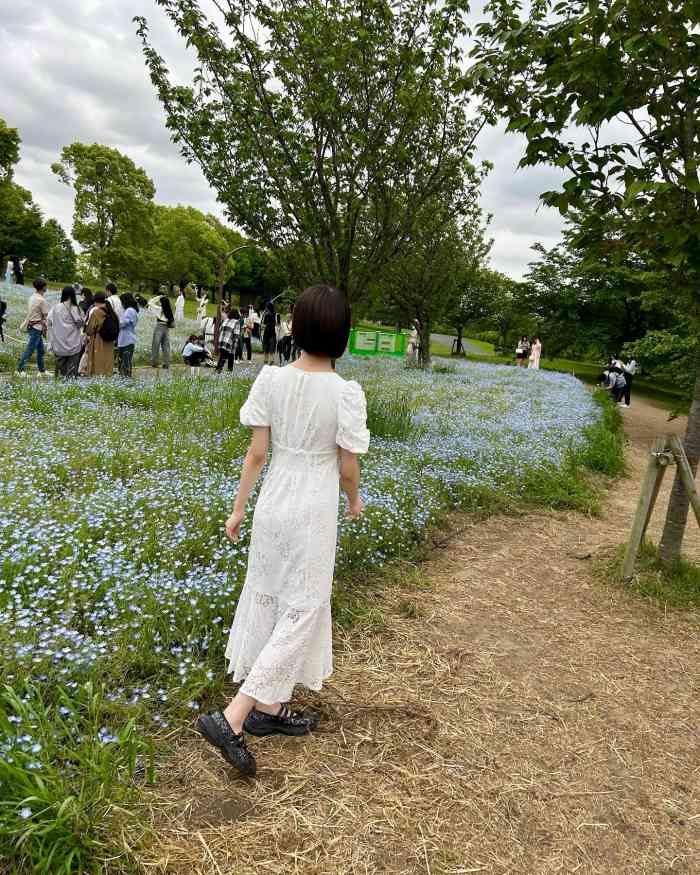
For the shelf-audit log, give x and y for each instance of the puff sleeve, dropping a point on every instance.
(352, 434)
(256, 410)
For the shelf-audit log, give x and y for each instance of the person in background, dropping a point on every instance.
(535, 353)
(65, 323)
(413, 342)
(3, 310)
(18, 266)
(202, 305)
(35, 325)
(247, 333)
(100, 352)
(628, 372)
(114, 300)
(269, 333)
(238, 337)
(254, 322)
(193, 351)
(160, 344)
(227, 338)
(180, 306)
(85, 299)
(522, 352)
(126, 342)
(9, 272)
(208, 326)
(282, 634)
(284, 339)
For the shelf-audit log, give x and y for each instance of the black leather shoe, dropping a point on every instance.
(287, 722)
(216, 730)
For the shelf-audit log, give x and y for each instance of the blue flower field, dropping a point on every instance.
(118, 586)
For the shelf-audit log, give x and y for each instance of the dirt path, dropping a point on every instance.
(529, 719)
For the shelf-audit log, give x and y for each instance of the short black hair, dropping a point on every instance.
(321, 321)
(111, 288)
(39, 283)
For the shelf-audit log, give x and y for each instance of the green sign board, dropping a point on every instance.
(367, 342)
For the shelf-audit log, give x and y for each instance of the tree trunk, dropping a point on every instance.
(460, 346)
(677, 513)
(424, 343)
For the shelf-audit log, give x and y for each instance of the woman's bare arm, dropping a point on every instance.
(350, 481)
(252, 466)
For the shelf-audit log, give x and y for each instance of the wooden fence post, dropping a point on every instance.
(686, 475)
(647, 497)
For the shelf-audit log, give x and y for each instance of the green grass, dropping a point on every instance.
(389, 417)
(676, 587)
(65, 818)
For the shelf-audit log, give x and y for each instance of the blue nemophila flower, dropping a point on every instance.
(115, 565)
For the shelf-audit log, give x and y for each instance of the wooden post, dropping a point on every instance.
(686, 475)
(644, 508)
(660, 471)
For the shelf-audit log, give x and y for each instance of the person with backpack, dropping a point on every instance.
(126, 342)
(102, 331)
(66, 334)
(163, 311)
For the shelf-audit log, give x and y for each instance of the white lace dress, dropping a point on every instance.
(281, 634)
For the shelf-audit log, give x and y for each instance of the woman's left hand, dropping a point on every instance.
(233, 525)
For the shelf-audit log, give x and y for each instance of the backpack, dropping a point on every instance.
(109, 330)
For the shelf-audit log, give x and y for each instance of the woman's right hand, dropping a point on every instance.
(233, 525)
(355, 508)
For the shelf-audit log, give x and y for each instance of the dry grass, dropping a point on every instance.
(523, 719)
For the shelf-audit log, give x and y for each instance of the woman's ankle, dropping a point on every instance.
(273, 709)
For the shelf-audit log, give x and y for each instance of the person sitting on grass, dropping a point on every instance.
(281, 634)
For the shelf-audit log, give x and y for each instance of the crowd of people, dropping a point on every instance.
(92, 334)
(236, 330)
(617, 378)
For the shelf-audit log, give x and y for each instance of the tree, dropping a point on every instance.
(329, 134)
(423, 284)
(9, 151)
(589, 300)
(21, 231)
(59, 261)
(592, 63)
(113, 211)
(185, 247)
(474, 295)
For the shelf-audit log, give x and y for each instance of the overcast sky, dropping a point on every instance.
(73, 70)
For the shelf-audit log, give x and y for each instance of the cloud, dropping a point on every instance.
(73, 70)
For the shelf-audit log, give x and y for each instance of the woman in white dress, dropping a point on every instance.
(535, 353)
(180, 307)
(281, 634)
